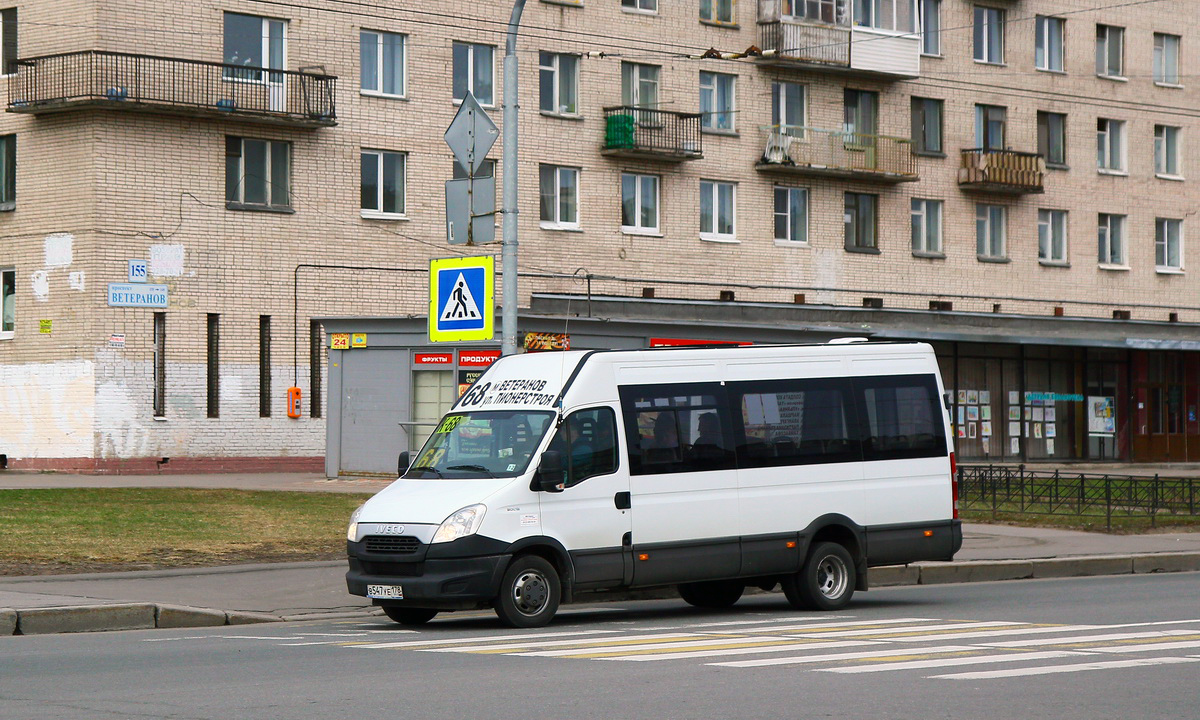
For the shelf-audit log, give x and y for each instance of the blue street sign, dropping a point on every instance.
(462, 303)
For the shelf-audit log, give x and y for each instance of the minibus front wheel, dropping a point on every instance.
(825, 583)
(529, 593)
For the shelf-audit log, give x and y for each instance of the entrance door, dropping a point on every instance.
(374, 393)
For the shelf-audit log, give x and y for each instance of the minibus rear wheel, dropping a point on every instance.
(715, 594)
(409, 616)
(529, 593)
(826, 582)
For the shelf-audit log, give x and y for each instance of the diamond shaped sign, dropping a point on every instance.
(471, 134)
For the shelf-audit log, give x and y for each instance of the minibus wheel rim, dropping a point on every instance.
(832, 577)
(530, 592)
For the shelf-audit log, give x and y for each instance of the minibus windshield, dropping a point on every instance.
(481, 444)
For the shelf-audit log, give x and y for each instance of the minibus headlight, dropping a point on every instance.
(460, 524)
(352, 531)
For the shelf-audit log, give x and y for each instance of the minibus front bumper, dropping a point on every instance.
(421, 581)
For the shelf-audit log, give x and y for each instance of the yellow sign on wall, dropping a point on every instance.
(358, 340)
(339, 341)
(45, 326)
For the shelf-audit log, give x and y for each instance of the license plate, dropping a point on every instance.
(391, 592)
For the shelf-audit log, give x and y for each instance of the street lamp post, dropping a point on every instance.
(508, 245)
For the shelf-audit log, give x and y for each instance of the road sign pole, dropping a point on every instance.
(508, 246)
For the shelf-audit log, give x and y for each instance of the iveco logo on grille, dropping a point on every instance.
(391, 530)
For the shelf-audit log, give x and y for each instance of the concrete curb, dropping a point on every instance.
(145, 616)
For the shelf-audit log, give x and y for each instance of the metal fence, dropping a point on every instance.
(1019, 490)
(637, 130)
(97, 77)
(837, 151)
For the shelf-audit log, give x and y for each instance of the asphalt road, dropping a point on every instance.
(1087, 648)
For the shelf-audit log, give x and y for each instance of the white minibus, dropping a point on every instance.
(709, 469)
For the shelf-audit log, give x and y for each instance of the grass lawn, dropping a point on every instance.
(107, 529)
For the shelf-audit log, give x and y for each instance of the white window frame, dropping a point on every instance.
(471, 79)
(1111, 146)
(931, 16)
(558, 172)
(720, 195)
(1162, 245)
(635, 77)
(268, 172)
(1052, 236)
(1110, 232)
(1166, 66)
(983, 52)
(646, 7)
(826, 11)
(926, 226)
(886, 15)
(379, 36)
(10, 301)
(793, 225)
(780, 105)
(555, 73)
(987, 215)
(714, 9)
(1106, 35)
(378, 212)
(264, 77)
(862, 231)
(1167, 151)
(1048, 57)
(710, 92)
(639, 185)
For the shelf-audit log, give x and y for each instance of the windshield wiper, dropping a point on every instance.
(477, 468)
(427, 467)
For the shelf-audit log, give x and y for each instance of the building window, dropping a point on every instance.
(8, 40)
(214, 365)
(254, 43)
(1112, 239)
(316, 352)
(160, 364)
(1052, 236)
(1110, 51)
(8, 303)
(989, 35)
(382, 63)
(560, 196)
(1110, 145)
(8, 172)
(474, 70)
(990, 231)
(927, 125)
(861, 221)
(1052, 138)
(1168, 244)
(717, 210)
(1166, 59)
(860, 114)
(559, 86)
(639, 85)
(926, 227)
(717, 11)
(264, 366)
(931, 27)
(257, 173)
(383, 188)
(716, 101)
(885, 14)
(1048, 45)
(648, 6)
(791, 215)
(990, 122)
(828, 11)
(639, 203)
(788, 108)
(1166, 150)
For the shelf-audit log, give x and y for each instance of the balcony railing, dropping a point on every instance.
(654, 134)
(805, 43)
(1002, 171)
(834, 153)
(124, 81)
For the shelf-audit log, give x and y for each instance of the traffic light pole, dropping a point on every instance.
(508, 245)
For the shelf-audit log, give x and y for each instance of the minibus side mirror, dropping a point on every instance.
(947, 400)
(402, 465)
(549, 475)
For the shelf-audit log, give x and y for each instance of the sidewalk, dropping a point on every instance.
(296, 591)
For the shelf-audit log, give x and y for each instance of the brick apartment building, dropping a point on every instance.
(1012, 180)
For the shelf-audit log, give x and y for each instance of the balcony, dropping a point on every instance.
(93, 79)
(834, 153)
(830, 38)
(1002, 171)
(644, 133)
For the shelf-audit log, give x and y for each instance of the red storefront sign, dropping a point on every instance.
(477, 358)
(681, 342)
(438, 358)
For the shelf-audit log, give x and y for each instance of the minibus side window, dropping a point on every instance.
(676, 428)
(587, 440)
(902, 417)
(794, 422)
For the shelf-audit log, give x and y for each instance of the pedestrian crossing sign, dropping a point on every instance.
(461, 299)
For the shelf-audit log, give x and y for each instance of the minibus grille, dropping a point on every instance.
(390, 569)
(392, 545)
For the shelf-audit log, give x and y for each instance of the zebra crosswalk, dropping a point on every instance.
(935, 648)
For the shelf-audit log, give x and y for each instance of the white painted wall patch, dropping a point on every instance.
(58, 248)
(40, 280)
(166, 260)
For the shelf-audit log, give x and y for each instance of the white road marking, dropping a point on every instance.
(849, 656)
(693, 642)
(1086, 639)
(745, 651)
(510, 636)
(1055, 669)
(1148, 647)
(856, 623)
(560, 643)
(910, 628)
(997, 633)
(948, 662)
